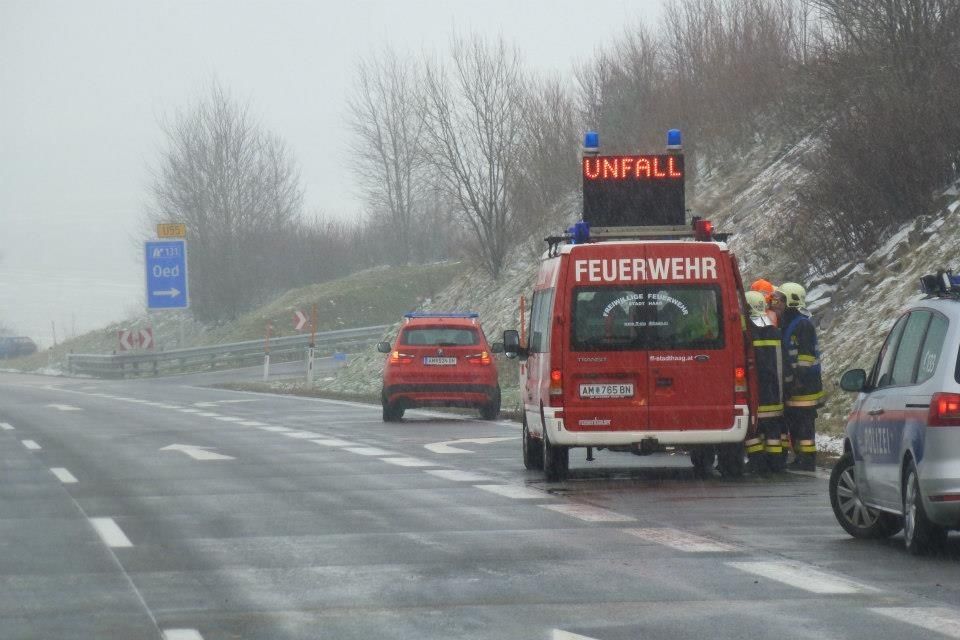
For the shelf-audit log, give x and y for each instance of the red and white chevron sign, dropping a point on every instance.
(135, 339)
(299, 320)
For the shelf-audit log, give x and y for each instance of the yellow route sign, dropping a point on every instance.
(171, 230)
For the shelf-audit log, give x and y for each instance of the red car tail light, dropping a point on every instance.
(482, 358)
(944, 410)
(400, 358)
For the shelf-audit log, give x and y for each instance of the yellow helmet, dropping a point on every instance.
(757, 303)
(795, 294)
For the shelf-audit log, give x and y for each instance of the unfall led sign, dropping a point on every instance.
(625, 191)
(171, 230)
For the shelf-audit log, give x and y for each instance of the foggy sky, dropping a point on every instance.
(82, 85)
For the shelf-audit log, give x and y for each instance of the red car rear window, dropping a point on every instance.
(439, 337)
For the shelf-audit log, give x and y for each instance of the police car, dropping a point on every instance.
(901, 463)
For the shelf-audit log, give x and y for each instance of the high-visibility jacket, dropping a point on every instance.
(802, 381)
(768, 350)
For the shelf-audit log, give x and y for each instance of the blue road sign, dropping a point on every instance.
(167, 274)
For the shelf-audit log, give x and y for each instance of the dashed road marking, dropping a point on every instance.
(111, 533)
(680, 540)
(63, 475)
(560, 634)
(588, 513)
(408, 462)
(275, 429)
(253, 423)
(64, 407)
(228, 419)
(6, 426)
(207, 414)
(513, 491)
(368, 451)
(802, 577)
(937, 619)
(303, 435)
(332, 442)
(189, 411)
(182, 634)
(457, 475)
(30, 444)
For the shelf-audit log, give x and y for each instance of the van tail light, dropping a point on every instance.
(482, 358)
(944, 410)
(400, 358)
(556, 382)
(740, 385)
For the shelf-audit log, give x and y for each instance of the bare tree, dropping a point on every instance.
(235, 186)
(474, 116)
(386, 118)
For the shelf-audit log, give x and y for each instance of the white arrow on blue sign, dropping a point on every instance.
(167, 274)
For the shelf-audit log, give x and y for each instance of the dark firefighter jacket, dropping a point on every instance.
(770, 367)
(803, 386)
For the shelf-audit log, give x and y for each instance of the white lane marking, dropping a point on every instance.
(253, 423)
(30, 444)
(444, 447)
(514, 491)
(63, 475)
(303, 435)
(207, 414)
(189, 411)
(368, 451)
(6, 426)
(937, 619)
(559, 634)
(801, 576)
(111, 533)
(680, 540)
(182, 634)
(408, 462)
(588, 513)
(275, 429)
(457, 475)
(228, 419)
(197, 453)
(166, 406)
(64, 407)
(333, 442)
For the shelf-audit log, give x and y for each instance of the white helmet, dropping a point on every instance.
(795, 294)
(757, 304)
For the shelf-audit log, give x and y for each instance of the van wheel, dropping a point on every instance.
(556, 460)
(702, 459)
(730, 459)
(856, 518)
(491, 410)
(532, 449)
(920, 535)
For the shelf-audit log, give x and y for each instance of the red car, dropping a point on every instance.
(440, 360)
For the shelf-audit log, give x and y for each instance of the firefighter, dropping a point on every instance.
(767, 289)
(765, 448)
(802, 382)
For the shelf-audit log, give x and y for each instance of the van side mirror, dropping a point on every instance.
(496, 347)
(854, 380)
(511, 344)
(383, 347)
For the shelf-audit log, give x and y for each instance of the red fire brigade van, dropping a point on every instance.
(637, 339)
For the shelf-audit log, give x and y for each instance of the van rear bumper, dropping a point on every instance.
(560, 436)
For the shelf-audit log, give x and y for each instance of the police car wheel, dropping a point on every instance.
(556, 460)
(856, 518)
(730, 460)
(532, 449)
(919, 534)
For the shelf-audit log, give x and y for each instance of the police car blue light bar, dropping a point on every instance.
(442, 314)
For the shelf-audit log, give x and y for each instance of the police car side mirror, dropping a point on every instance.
(854, 380)
(511, 344)
(383, 347)
(496, 347)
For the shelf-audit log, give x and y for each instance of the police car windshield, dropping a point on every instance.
(670, 317)
(439, 337)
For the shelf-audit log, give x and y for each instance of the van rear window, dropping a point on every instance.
(657, 317)
(440, 337)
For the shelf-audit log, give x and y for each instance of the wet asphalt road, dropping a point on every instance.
(163, 509)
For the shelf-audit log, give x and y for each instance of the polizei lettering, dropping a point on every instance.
(641, 269)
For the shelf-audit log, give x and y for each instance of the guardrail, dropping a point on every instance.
(219, 356)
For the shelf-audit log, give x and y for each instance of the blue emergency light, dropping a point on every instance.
(442, 314)
(674, 139)
(579, 232)
(591, 142)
